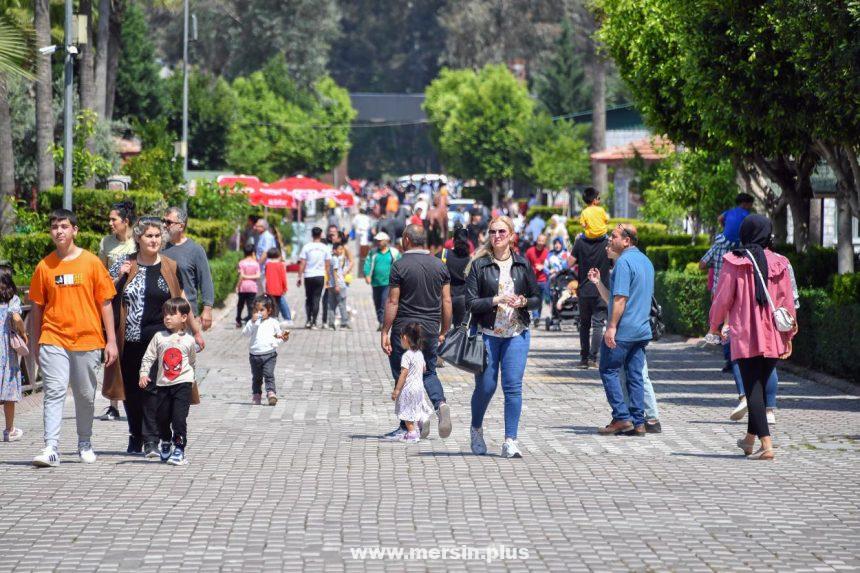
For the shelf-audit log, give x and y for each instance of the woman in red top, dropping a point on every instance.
(276, 281)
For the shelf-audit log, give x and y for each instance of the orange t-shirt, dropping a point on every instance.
(393, 204)
(71, 294)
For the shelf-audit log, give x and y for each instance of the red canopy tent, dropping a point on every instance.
(344, 199)
(303, 188)
(245, 182)
(274, 198)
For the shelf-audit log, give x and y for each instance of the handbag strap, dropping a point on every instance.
(763, 284)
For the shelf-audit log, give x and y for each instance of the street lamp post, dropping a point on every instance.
(184, 144)
(68, 114)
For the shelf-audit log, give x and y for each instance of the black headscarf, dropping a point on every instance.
(755, 235)
(461, 242)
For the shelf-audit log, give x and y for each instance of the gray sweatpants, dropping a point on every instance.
(60, 369)
(263, 368)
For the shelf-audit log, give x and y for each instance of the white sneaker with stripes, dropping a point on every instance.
(49, 458)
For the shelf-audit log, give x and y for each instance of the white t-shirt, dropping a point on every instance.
(361, 224)
(264, 335)
(315, 256)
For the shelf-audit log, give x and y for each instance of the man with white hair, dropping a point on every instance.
(192, 264)
(265, 241)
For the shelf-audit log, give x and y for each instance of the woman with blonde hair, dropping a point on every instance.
(500, 289)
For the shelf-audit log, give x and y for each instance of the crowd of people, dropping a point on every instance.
(136, 306)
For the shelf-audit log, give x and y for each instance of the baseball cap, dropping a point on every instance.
(381, 237)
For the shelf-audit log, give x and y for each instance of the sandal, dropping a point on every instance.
(745, 446)
(762, 454)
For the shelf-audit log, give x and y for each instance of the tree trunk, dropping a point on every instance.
(102, 38)
(844, 244)
(779, 218)
(494, 193)
(44, 91)
(793, 177)
(114, 49)
(86, 65)
(7, 163)
(598, 122)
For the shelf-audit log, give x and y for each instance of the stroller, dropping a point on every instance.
(569, 307)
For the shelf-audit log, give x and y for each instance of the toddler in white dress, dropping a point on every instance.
(410, 402)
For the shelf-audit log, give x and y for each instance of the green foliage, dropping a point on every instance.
(812, 268)
(825, 338)
(140, 90)
(25, 250)
(211, 201)
(224, 275)
(685, 300)
(29, 221)
(669, 258)
(697, 184)
(558, 153)
(846, 288)
(562, 85)
(284, 129)
(212, 234)
(92, 206)
(155, 167)
(544, 211)
(211, 111)
(693, 269)
(86, 165)
(481, 120)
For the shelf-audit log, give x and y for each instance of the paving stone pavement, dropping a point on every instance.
(299, 486)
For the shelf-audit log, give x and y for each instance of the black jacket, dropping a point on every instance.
(482, 284)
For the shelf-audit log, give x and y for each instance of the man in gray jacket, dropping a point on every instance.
(192, 263)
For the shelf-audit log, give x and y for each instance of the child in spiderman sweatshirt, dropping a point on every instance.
(174, 351)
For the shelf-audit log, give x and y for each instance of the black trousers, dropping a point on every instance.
(380, 296)
(325, 304)
(263, 369)
(138, 401)
(592, 321)
(458, 306)
(313, 292)
(246, 300)
(173, 403)
(754, 373)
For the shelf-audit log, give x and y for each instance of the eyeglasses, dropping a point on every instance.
(499, 232)
(168, 222)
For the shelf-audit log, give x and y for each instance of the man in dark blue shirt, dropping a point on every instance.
(732, 219)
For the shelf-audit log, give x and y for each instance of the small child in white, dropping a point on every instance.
(266, 334)
(174, 349)
(410, 403)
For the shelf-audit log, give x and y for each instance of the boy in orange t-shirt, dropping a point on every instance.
(71, 292)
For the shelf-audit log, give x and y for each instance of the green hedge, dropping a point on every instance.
(543, 211)
(846, 288)
(25, 250)
(92, 206)
(813, 268)
(224, 275)
(685, 300)
(668, 258)
(827, 335)
(213, 235)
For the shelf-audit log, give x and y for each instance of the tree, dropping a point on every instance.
(156, 167)
(44, 113)
(483, 135)
(440, 99)
(140, 91)
(558, 153)
(283, 129)
(87, 165)
(694, 184)
(562, 85)
(101, 57)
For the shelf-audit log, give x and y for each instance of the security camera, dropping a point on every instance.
(73, 50)
(48, 50)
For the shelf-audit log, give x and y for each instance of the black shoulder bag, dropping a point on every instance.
(463, 349)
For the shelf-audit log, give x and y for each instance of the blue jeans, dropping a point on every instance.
(769, 389)
(508, 355)
(283, 307)
(432, 384)
(631, 357)
(651, 410)
(544, 296)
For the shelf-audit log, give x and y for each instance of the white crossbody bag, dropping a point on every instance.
(781, 317)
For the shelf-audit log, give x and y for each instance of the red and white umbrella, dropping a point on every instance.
(273, 197)
(344, 199)
(303, 188)
(246, 183)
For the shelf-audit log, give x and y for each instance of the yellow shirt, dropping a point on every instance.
(595, 221)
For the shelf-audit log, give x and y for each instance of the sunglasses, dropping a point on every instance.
(499, 232)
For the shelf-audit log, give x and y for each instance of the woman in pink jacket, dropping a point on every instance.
(756, 343)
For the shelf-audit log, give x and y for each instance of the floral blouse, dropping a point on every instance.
(508, 323)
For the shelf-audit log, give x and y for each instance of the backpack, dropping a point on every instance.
(655, 318)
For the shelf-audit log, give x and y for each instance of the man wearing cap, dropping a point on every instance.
(377, 271)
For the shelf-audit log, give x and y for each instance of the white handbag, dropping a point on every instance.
(781, 317)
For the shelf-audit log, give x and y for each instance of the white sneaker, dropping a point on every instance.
(740, 410)
(479, 446)
(49, 458)
(85, 451)
(771, 416)
(510, 449)
(424, 429)
(12, 435)
(396, 435)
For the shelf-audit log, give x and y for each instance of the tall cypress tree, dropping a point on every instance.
(562, 85)
(140, 91)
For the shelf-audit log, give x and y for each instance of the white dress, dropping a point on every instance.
(412, 404)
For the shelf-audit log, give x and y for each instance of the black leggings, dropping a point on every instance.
(754, 373)
(137, 399)
(313, 292)
(246, 300)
